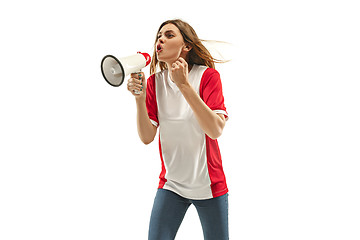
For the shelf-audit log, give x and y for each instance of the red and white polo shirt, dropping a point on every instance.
(191, 161)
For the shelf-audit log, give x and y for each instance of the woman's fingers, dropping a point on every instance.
(180, 63)
(136, 84)
(139, 75)
(133, 83)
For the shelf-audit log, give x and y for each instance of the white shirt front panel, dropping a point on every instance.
(182, 139)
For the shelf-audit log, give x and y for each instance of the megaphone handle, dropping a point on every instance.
(136, 91)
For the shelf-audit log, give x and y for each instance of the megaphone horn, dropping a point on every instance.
(115, 70)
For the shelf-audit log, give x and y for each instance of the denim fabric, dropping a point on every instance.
(169, 210)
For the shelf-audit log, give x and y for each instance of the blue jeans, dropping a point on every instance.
(169, 210)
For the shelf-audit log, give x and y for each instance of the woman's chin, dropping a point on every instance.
(167, 59)
(164, 60)
(160, 58)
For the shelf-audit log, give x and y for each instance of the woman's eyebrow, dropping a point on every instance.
(167, 31)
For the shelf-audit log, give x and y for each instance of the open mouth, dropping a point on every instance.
(159, 48)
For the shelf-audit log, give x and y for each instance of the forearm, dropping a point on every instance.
(210, 122)
(146, 129)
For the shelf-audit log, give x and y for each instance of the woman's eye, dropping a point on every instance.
(168, 35)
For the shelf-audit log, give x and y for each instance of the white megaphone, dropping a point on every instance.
(115, 70)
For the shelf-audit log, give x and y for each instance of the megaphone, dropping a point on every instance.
(115, 70)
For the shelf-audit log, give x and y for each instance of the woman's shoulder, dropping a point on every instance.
(210, 73)
(207, 71)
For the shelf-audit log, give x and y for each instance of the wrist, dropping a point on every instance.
(140, 100)
(184, 86)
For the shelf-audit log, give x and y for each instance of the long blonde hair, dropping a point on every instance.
(198, 54)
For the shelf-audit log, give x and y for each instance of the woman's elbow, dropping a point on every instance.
(216, 133)
(147, 141)
(148, 136)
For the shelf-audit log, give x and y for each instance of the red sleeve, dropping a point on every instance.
(211, 91)
(151, 103)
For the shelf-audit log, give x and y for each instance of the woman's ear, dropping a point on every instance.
(187, 48)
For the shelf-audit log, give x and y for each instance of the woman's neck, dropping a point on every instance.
(190, 66)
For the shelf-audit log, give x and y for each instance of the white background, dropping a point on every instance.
(72, 166)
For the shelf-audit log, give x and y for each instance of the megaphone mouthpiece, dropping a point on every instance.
(147, 57)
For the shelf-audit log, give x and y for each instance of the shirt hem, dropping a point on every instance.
(154, 123)
(222, 112)
(217, 194)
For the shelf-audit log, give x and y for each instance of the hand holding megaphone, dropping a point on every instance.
(115, 70)
(137, 84)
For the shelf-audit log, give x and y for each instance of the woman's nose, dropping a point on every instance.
(161, 40)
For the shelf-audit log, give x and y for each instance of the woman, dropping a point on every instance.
(185, 101)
